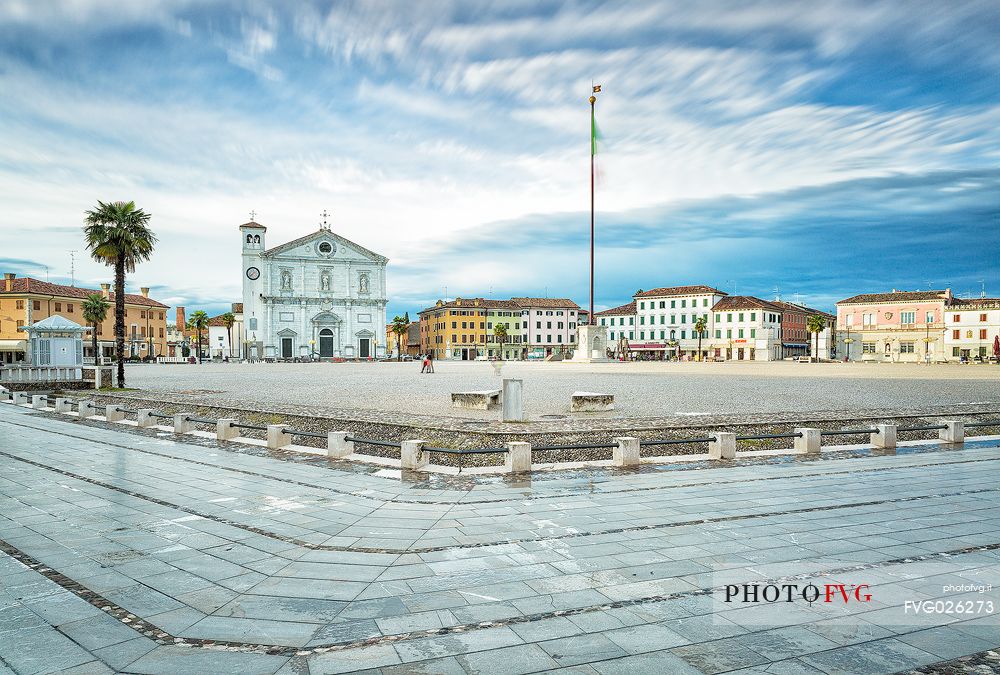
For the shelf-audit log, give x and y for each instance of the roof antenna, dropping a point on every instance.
(72, 268)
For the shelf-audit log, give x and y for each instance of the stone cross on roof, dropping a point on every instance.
(324, 225)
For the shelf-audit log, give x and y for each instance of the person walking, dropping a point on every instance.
(425, 362)
(430, 362)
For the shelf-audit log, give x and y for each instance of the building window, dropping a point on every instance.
(20, 304)
(982, 317)
(729, 333)
(955, 351)
(69, 307)
(683, 303)
(867, 347)
(906, 348)
(907, 318)
(683, 334)
(58, 306)
(956, 318)
(982, 333)
(718, 334)
(673, 304)
(956, 335)
(36, 305)
(559, 338)
(739, 333)
(753, 316)
(868, 319)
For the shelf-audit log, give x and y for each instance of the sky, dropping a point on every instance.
(812, 150)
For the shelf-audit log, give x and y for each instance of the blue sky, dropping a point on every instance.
(817, 150)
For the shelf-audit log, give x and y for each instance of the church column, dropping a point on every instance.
(349, 338)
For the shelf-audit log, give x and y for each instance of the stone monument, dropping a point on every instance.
(591, 344)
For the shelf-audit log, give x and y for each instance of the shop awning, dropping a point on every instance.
(646, 345)
(13, 345)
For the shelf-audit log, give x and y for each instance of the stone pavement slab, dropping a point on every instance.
(132, 553)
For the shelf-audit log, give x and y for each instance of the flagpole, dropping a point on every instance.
(590, 317)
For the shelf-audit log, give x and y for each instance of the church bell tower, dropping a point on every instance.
(252, 237)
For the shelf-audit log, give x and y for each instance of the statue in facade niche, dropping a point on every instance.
(286, 281)
(324, 281)
(363, 283)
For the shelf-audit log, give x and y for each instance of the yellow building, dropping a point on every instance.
(24, 301)
(455, 329)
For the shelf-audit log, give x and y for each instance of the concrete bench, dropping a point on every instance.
(476, 400)
(589, 401)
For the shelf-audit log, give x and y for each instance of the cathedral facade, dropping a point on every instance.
(319, 295)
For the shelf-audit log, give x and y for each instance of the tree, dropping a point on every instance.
(117, 234)
(229, 320)
(400, 326)
(700, 326)
(198, 322)
(816, 323)
(500, 332)
(95, 311)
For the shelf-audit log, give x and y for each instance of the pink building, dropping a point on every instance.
(893, 327)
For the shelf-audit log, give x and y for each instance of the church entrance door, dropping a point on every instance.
(286, 348)
(364, 351)
(326, 343)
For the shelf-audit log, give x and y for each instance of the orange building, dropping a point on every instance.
(24, 301)
(455, 329)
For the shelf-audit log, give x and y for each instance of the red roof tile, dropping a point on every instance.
(895, 296)
(24, 285)
(624, 309)
(678, 290)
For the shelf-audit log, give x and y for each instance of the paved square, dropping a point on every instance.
(122, 552)
(650, 389)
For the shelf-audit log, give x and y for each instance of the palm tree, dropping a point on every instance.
(229, 320)
(400, 326)
(95, 311)
(500, 331)
(700, 326)
(198, 322)
(815, 324)
(118, 235)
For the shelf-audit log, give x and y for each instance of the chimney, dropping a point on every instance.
(106, 290)
(145, 291)
(181, 322)
(8, 281)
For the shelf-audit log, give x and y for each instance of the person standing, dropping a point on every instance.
(430, 362)
(424, 363)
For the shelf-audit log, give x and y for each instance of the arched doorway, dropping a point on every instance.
(326, 343)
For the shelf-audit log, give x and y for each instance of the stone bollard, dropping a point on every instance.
(182, 425)
(809, 442)
(276, 436)
(20, 398)
(86, 409)
(146, 419)
(884, 436)
(513, 401)
(225, 431)
(113, 414)
(518, 457)
(626, 453)
(63, 405)
(39, 402)
(723, 447)
(955, 433)
(412, 455)
(337, 444)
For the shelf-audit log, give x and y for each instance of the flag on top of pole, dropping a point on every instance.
(595, 133)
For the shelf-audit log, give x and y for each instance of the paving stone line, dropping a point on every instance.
(151, 631)
(556, 495)
(498, 542)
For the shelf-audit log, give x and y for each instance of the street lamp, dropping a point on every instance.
(847, 344)
(312, 350)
